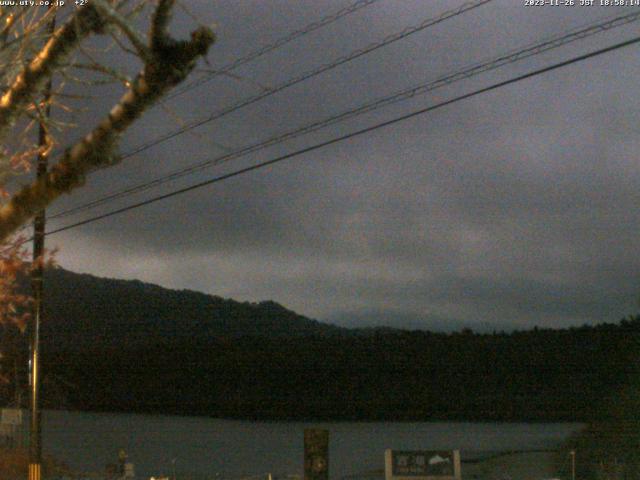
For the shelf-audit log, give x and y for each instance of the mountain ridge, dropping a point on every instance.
(80, 307)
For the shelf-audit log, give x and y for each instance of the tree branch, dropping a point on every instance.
(112, 16)
(172, 61)
(39, 70)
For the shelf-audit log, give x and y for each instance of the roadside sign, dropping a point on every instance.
(129, 470)
(422, 465)
(11, 416)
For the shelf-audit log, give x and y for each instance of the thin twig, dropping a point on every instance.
(116, 19)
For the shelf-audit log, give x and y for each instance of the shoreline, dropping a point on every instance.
(268, 419)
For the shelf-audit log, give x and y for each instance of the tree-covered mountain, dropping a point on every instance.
(128, 346)
(84, 310)
(542, 375)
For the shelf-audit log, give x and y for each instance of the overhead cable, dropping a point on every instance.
(467, 72)
(360, 4)
(310, 74)
(356, 133)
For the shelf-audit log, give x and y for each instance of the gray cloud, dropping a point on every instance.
(515, 208)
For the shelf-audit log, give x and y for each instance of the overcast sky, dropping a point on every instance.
(515, 208)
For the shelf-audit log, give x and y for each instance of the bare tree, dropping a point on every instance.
(29, 57)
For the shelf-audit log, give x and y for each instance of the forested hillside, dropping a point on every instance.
(539, 375)
(128, 346)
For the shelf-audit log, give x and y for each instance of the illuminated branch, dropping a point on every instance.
(168, 63)
(36, 73)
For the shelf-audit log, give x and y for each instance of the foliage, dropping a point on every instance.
(609, 447)
(13, 304)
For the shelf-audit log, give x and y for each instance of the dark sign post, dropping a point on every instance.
(316, 454)
(422, 465)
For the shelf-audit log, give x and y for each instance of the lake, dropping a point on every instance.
(207, 446)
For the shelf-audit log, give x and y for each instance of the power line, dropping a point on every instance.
(467, 72)
(318, 70)
(227, 69)
(341, 138)
(310, 74)
(360, 4)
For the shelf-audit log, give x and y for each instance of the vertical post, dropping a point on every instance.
(316, 454)
(35, 430)
(573, 464)
(122, 462)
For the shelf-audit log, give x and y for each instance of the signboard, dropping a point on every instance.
(11, 416)
(6, 430)
(316, 454)
(422, 465)
(129, 471)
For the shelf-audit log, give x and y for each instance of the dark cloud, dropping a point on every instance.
(512, 209)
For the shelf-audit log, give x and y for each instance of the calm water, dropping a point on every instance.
(88, 441)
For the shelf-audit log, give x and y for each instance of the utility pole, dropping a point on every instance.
(35, 430)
